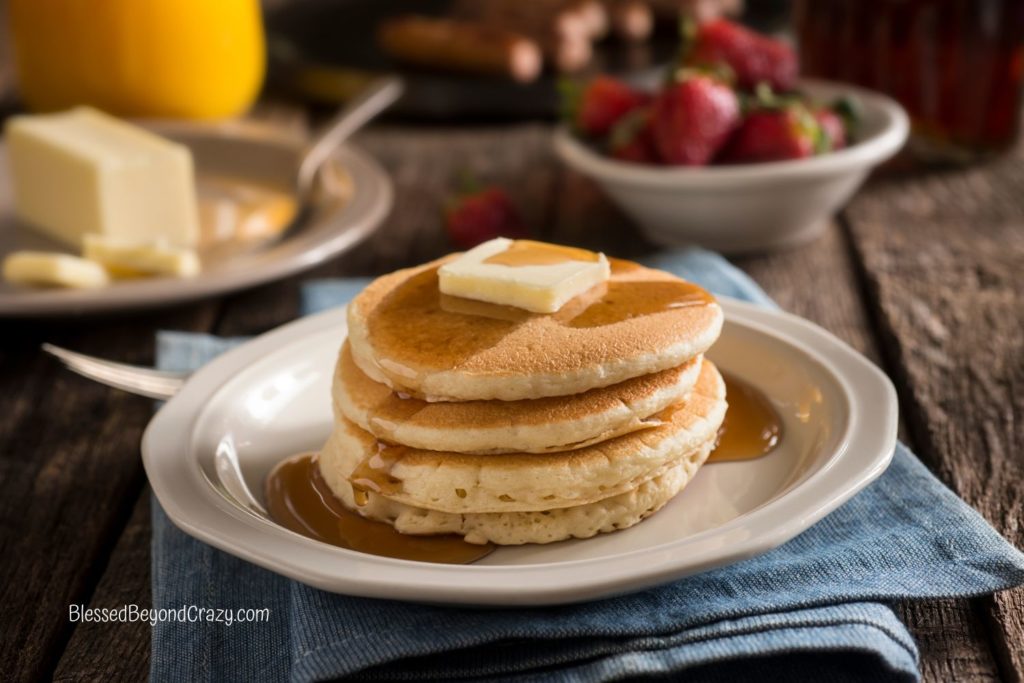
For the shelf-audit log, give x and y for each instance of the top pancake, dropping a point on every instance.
(407, 335)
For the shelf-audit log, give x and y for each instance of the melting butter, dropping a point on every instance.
(533, 253)
(524, 274)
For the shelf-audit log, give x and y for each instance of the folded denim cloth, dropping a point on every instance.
(812, 609)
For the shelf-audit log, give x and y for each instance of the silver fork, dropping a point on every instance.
(131, 378)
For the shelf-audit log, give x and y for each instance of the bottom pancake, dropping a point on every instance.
(516, 528)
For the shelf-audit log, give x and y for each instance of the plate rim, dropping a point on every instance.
(372, 200)
(804, 504)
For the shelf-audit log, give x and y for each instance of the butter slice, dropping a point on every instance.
(53, 269)
(133, 258)
(82, 171)
(534, 276)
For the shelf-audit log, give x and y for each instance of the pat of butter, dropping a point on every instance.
(534, 276)
(133, 258)
(82, 171)
(53, 269)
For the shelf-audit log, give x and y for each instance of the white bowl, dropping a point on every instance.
(748, 207)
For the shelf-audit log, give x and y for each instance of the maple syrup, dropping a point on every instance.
(373, 474)
(626, 299)
(752, 427)
(419, 325)
(531, 253)
(235, 211)
(299, 499)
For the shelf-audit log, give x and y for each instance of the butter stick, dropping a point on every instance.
(81, 171)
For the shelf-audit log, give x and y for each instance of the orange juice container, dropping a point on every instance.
(198, 59)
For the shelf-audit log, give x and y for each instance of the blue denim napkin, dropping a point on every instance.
(812, 609)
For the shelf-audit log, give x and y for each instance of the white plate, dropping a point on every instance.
(335, 223)
(213, 443)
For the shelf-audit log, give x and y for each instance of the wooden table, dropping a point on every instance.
(923, 273)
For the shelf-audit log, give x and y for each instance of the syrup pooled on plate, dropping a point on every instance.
(236, 211)
(752, 427)
(299, 499)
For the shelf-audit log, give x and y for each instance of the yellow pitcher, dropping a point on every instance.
(140, 58)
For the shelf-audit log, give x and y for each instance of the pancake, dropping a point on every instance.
(528, 426)
(521, 482)
(516, 528)
(404, 333)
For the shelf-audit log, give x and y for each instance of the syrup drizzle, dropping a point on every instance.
(531, 253)
(416, 325)
(373, 474)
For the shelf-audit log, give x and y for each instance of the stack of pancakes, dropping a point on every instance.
(510, 427)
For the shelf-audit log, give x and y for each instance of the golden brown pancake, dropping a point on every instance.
(405, 334)
(526, 482)
(528, 426)
(547, 526)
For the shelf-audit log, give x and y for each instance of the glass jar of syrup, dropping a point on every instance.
(956, 65)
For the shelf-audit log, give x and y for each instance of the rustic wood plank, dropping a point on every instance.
(943, 255)
(582, 216)
(6, 59)
(953, 639)
(116, 650)
(69, 475)
(819, 282)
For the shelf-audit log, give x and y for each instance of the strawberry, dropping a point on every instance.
(791, 132)
(600, 104)
(753, 58)
(482, 215)
(632, 138)
(693, 118)
(833, 129)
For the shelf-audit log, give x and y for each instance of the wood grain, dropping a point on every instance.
(116, 650)
(943, 255)
(819, 282)
(69, 476)
(6, 59)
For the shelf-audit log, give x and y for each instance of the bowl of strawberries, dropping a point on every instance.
(732, 150)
